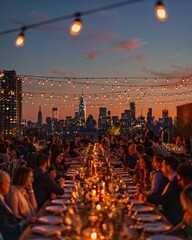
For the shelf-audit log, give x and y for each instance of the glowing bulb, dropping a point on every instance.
(93, 235)
(76, 26)
(20, 40)
(161, 12)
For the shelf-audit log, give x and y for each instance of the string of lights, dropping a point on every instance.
(108, 95)
(77, 25)
(121, 104)
(149, 82)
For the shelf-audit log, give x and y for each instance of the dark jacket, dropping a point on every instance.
(44, 185)
(170, 202)
(9, 226)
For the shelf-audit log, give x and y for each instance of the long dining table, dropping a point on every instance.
(112, 215)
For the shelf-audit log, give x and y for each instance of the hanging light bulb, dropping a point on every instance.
(20, 39)
(77, 25)
(160, 11)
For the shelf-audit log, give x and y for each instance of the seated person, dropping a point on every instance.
(21, 198)
(170, 197)
(158, 181)
(10, 227)
(184, 228)
(44, 185)
(184, 175)
(186, 201)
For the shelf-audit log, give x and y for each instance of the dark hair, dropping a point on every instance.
(125, 148)
(45, 151)
(159, 157)
(65, 146)
(140, 149)
(50, 169)
(150, 151)
(55, 154)
(172, 161)
(41, 159)
(148, 162)
(156, 139)
(21, 176)
(185, 171)
(3, 148)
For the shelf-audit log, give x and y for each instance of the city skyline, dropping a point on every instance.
(96, 117)
(125, 46)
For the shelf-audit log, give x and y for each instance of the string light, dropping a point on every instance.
(21, 38)
(77, 25)
(161, 12)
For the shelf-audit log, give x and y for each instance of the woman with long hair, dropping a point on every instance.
(21, 198)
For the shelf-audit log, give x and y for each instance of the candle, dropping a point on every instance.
(93, 236)
(94, 192)
(98, 207)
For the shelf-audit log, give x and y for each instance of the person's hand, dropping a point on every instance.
(142, 197)
(33, 219)
(53, 196)
(61, 181)
(26, 221)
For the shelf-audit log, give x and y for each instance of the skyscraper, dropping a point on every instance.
(10, 103)
(39, 119)
(132, 109)
(165, 114)
(82, 111)
(149, 115)
(102, 121)
(55, 113)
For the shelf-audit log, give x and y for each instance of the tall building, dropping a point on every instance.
(184, 112)
(165, 114)
(82, 111)
(102, 121)
(149, 115)
(10, 103)
(132, 109)
(55, 113)
(39, 118)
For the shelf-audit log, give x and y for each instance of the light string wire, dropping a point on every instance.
(70, 16)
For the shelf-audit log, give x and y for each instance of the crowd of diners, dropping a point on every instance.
(161, 178)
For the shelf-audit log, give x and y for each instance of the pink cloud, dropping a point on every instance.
(126, 46)
(130, 45)
(64, 73)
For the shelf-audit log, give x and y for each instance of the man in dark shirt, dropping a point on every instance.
(44, 185)
(170, 197)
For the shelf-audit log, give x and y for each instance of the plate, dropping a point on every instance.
(47, 230)
(56, 208)
(67, 185)
(132, 190)
(60, 201)
(163, 237)
(67, 190)
(69, 181)
(142, 208)
(131, 187)
(156, 227)
(148, 217)
(135, 201)
(66, 195)
(50, 220)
